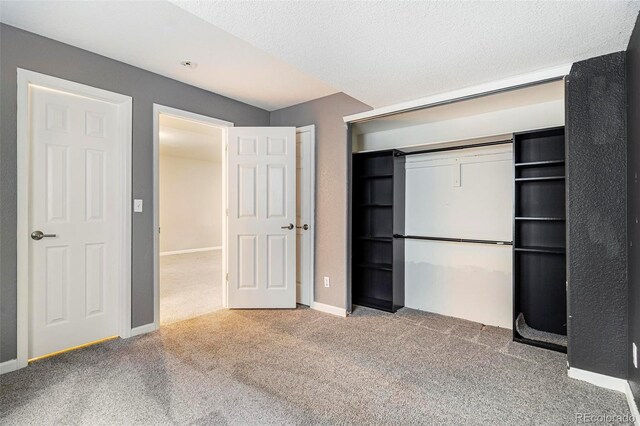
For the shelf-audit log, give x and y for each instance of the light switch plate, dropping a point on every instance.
(326, 282)
(137, 205)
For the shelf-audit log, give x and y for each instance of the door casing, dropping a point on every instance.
(223, 126)
(310, 274)
(124, 103)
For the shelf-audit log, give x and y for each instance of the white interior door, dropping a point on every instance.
(74, 200)
(262, 216)
(304, 214)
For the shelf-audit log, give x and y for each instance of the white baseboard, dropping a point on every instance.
(195, 250)
(632, 404)
(598, 379)
(9, 366)
(143, 329)
(341, 312)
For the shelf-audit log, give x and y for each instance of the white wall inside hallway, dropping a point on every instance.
(190, 186)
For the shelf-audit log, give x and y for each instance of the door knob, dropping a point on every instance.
(38, 235)
(290, 226)
(305, 227)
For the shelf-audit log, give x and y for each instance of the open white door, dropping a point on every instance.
(262, 216)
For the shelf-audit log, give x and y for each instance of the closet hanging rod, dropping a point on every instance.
(454, 240)
(452, 148)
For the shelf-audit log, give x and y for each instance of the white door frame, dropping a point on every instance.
(312, 219)
(222, 125)
(28, 78)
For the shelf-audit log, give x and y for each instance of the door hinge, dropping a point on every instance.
(227, 212)
(158, 229)
(227, 277)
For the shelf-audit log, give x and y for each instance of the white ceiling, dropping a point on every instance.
(189, 139)
(276, 54)
(384, 52)
(158, 35)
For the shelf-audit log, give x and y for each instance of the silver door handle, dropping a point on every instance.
(290, 226)
(305, 227)
(38, 235)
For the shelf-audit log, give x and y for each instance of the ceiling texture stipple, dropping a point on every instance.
(158, 36)
(386, 52)
(279, 53)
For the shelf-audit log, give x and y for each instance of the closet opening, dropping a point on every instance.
(458, 210)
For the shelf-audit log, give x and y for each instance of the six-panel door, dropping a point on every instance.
(262, 217)
(75, 189)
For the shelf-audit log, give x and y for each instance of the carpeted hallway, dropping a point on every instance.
(305, 367)
(190, 285)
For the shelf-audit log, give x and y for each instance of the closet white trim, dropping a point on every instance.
(600, 380)
(510, 83)
(632, 404)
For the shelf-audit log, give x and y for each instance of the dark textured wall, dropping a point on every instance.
(21, 49)
(596, 215)
(633, 203)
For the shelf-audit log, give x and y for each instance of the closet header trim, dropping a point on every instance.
(512, 83)
(452, 148)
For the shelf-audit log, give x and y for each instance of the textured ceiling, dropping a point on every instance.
(276, 54)
(384, 52)
(158, 35)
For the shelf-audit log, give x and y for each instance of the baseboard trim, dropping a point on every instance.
(607, 382)
(9, 366)
(143, 329)
(632, 404)
(333, 310)
(195, 250)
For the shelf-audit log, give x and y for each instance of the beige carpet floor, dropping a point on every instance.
(305, 367)
(190, 285)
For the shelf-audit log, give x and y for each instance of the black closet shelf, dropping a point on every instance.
(557, 219)
(378, 239)
(541, 163)
(540, 178)
(544, 345)
(535, 249)
(377, 198)
(539, 250)
(372, 302)
(378, 266)
(383, 176)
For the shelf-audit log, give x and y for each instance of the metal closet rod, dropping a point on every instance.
(453, 240)
(453, 148)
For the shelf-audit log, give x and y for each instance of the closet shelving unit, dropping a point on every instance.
(539, 251)
(378, 214)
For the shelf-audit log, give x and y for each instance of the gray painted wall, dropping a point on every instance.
(596, 215)
(633, 203)
(332, 157)
(20, 49)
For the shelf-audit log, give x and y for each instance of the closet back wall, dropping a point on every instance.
(29, 51)
(466, 193)
(535, 107)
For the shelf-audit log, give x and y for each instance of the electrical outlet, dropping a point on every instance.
(326, 282)
(635, 355)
